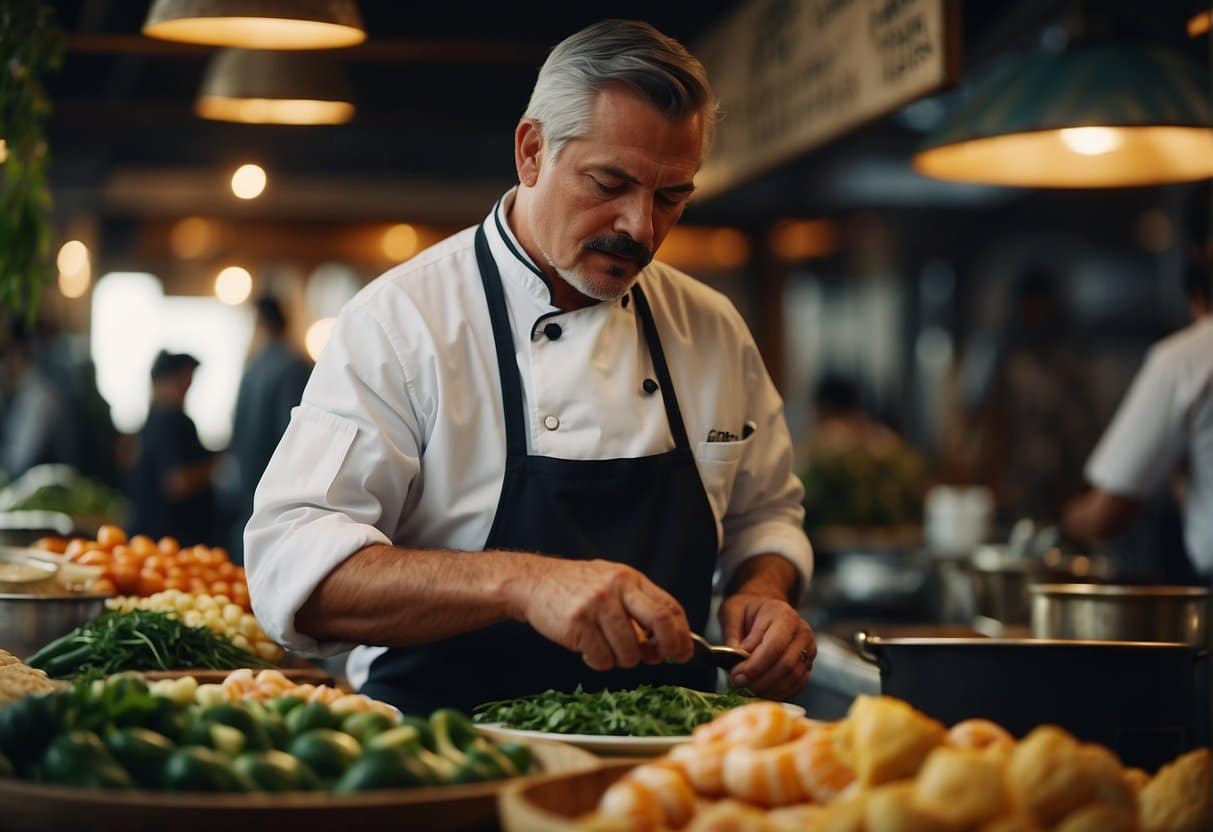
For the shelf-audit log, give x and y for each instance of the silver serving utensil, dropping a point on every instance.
(723, 657)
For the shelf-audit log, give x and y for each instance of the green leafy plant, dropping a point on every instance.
(31, 44)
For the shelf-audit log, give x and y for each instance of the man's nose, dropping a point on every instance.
(636, 220)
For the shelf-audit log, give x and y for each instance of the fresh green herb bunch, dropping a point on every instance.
(138, 640)
(646, 711)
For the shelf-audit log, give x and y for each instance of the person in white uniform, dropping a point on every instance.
(524, 453)
(1165, 421)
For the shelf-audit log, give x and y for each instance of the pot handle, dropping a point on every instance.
(864, 644)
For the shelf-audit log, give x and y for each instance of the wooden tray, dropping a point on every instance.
(205, 676)
(37, 807)
(553, 802)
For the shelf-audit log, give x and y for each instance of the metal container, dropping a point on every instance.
(1141, 700)
(28, 622)
(1121, 613)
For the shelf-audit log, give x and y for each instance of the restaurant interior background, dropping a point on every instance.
(908, 293)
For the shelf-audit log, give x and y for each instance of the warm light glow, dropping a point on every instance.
(75, 271)
(400, 242)
(3, 151)
(248, 181)
(1199, 23)
(73, 257)
(256, 32)
(193, 237)
(274, 110)
(692, 248)
(795, 241)
(729, 247)
(1145, 156)
(1091, 141)
(233, 285)
(318, 335)
(74, 284)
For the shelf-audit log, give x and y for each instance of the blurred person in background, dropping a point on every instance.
(170, 483)
(31, 410)
(1164, 423)
(1025, 423)
(272, 385)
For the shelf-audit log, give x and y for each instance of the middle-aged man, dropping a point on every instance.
(530, 438)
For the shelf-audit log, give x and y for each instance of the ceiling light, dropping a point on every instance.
(1198, 24)
(263, 87)
(400, 242)
(257, 24)
(233, 285)
(248, 181)
(1094, 116)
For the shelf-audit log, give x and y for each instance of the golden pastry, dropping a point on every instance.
(884, 739)
(731, 816)
(1177, 799)
(1045, 776)
(1098, 817)
(893, 808)
(964, 788)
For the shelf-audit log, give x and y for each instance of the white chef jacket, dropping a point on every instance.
(1166, 418)
(400, 436)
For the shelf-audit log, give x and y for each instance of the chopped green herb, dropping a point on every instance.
(646, 711)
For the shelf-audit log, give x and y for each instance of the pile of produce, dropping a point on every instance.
(18, 679)
(889, 768)
(77, 496)
(119, 734)
(865, 484)
(217, 613)
(646, 711)
(138, 640)
(142, 566)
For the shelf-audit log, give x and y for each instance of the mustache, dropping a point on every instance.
(621, 246)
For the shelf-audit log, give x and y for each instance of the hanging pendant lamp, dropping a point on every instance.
(257, 24)
(271, 87)
(1097, 115)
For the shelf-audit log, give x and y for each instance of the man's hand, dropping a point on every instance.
(757, 617)
(590, 606)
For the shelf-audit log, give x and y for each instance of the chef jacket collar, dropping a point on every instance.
(512, 259)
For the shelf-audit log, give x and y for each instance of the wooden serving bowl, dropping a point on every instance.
(553, 802)
(36, 807)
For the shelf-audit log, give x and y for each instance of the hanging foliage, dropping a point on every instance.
(31, 44)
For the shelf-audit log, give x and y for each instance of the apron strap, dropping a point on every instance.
(673, 413)
(503, 339)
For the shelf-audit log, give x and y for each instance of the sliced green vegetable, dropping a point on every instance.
(329, 753)
(235, 715)
(311, 716)
(276, 771)
(365, 725)
(197, 769)
(142, 753)
(79, 758)
(383, 768)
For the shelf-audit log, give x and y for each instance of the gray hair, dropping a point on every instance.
(627, 52)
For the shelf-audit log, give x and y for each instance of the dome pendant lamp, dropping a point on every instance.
(1100, 114)
(257, 24)
(272, 87)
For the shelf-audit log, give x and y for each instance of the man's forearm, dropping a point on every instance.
(385, 595)
(771, 576)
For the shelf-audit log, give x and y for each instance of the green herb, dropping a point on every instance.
(138, 640)
(646, 711)
(31, 44)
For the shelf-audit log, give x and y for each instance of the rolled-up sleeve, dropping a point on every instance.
(766, 511)
(339, 478)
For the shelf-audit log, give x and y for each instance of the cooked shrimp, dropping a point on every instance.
(702, 763)
(979, 735)
(822, 770)
(759, 725)
(633, 803)
(766, 776)
(674, 794)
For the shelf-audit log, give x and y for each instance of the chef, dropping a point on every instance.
(525, 453)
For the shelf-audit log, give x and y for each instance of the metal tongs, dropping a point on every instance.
(726, 658)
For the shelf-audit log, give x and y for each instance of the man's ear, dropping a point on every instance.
(528, 151)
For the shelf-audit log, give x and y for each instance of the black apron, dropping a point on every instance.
(650, 512)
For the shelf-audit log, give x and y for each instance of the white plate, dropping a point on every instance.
(602, 743)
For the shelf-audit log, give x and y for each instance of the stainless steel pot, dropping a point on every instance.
(1090, 612)
(27, 622)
